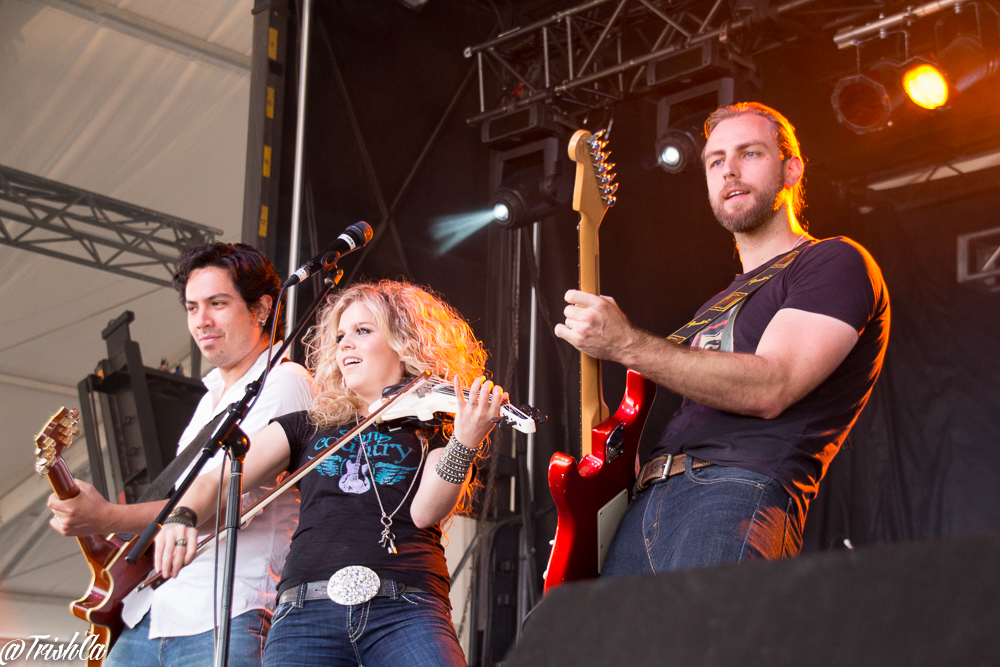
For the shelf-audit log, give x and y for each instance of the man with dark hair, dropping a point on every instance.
(771, 386)
(229, 293)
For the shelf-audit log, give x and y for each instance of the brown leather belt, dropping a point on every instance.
(663, 467)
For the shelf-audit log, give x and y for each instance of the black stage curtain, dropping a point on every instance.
(923, 460)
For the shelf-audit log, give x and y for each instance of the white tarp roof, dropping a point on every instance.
(145, 101)
(129, 99)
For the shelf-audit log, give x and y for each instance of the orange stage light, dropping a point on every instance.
(926, 86)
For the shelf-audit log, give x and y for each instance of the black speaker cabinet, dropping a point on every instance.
(932, 603)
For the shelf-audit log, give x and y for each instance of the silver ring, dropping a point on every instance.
(181, 542)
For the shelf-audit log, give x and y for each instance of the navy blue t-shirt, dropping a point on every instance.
(340, 520)
(835, 277)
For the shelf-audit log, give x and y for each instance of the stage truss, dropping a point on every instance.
(601, 52)
(60, 221)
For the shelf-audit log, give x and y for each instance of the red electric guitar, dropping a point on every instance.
(111, 577)
(591, 496)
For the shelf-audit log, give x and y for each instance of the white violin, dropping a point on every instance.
(438, 395)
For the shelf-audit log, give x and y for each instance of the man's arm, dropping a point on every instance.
(287, 390)
(797, 351)
(269, 454)
(90, 514)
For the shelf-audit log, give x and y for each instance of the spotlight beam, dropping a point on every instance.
(451, 230)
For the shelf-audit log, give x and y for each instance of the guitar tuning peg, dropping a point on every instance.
(76, 431)
(41, 468)
(609, 190)
(604, 179)
(599, 156)
(609, 201)
(604, 168)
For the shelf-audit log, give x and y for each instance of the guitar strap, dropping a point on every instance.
(733, 297)
(162, 486)
(164, 482)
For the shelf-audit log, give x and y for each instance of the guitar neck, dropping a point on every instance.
(593, 410)
(62, 481)
(64, 484)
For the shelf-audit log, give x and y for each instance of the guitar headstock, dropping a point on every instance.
(55, 436)
(595, 190)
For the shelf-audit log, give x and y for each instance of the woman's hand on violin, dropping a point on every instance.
(474, 416)
(176, 546)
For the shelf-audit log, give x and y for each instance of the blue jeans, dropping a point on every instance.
(704, 517)
(134, 648)
(411, 629)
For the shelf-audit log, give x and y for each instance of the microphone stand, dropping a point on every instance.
(230, 436)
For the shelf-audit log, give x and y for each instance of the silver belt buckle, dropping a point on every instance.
(351, 585)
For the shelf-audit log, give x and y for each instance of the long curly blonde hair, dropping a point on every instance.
(426, 333)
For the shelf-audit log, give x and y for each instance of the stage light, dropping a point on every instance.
(501, 212)
(863, 102)
(536, 180)
(925, 85)
(680, 121)
(670, 156)
(971, 54)
(680, 147)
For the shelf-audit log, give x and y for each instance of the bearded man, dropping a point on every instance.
(771, 387)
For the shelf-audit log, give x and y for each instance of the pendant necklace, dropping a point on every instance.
(388, 539)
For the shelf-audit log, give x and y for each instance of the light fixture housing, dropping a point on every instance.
(968, 44)
(680, 120)
(535, 181)
(680, 148)
(863, 102)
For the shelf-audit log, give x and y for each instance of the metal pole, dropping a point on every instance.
(533, 356)
(851, 36)
(300, 131)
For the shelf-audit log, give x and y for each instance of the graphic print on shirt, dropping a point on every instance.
(387, 459)
(351, 481)
(718, 335)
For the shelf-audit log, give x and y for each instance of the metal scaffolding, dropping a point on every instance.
(57, 220)
(603, 51)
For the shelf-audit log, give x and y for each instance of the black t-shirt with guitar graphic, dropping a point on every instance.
(834, 277)
(339, 518)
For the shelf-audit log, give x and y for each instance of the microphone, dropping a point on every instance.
(354, 237)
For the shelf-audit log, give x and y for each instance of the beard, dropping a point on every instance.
(754, 216)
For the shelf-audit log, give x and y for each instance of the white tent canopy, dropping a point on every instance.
(145, 101)
(141, 100)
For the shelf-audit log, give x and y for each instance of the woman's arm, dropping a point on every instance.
(436, 498)
(268, 456)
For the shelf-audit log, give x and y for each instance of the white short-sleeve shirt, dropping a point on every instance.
(183, 606)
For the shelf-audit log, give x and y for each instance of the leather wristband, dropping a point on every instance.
(184, 516)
